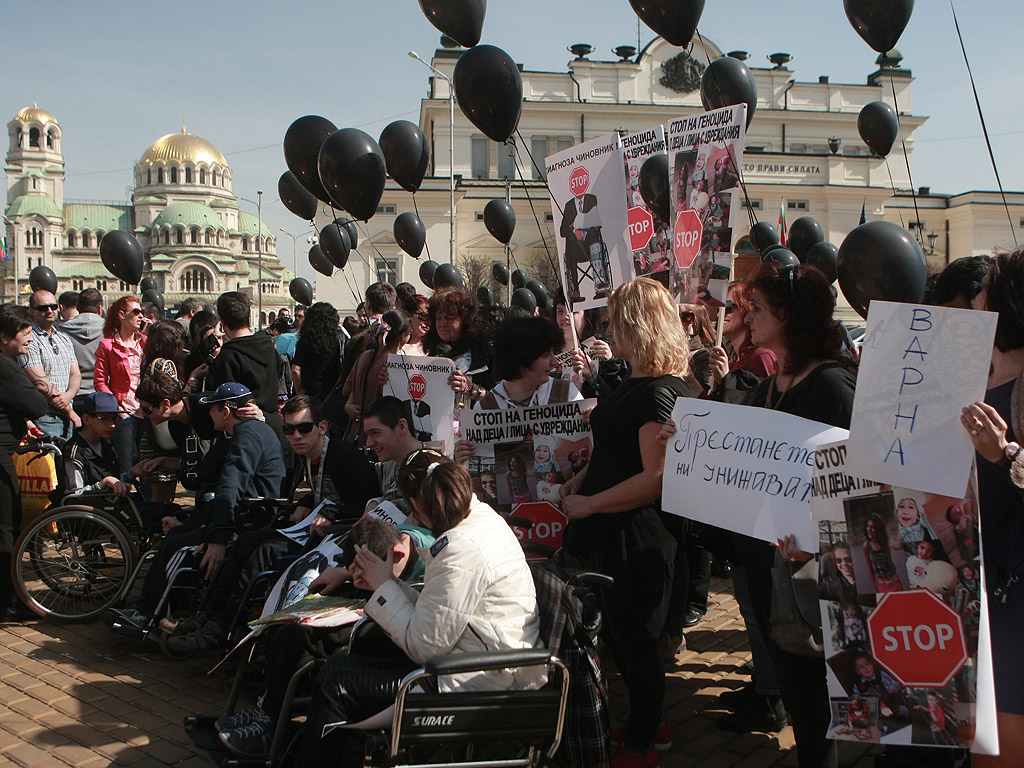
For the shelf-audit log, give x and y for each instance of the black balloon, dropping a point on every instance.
(351, 227)
(825, 257)
(525, 299)
(353, 171)
(489, 90)
(728, 81)
(674, 20)
(406, 153)
(301, 290)
(539, 290)
(881, 260)
(335, 242)
(410, 233)
(781, 254)
(803, 233)
(763, 235)
(427, 269)
(319, 262)
(461, 20)
(42, 279)
(147, 283)
(296, 198)
(878, 126)
(769, 248)
(879, 22)
(500, 272)
(654, 185)
(500, 220)
(519, 278)
(485, 296)
(154, 297)
(302, 142)
(447, 275)
(121, 254)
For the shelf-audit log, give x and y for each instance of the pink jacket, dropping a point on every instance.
(113, 367)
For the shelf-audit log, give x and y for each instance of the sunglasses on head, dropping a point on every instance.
(45, 307)
(303, 428)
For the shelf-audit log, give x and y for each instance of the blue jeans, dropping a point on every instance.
(126, 443)
(54, 425)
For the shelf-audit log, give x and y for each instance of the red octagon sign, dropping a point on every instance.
(686, 238)
(417, 387)
(579, 181)
(917, 638)
(641, 227)
(548, 525)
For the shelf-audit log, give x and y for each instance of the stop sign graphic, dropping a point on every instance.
(417, 387)
(686, 238)
(579, 181)
(641, 227)
(548, 525)
(917, 638)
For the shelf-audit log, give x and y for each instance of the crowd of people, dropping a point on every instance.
(297, 411)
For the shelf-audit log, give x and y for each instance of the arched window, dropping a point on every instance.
(99, 238)
(149, 176)
(167, 237)
(124, 286)
(33, 137)
(179, 237)
(209, 237)
(174, 175)
(214, 177)
(188, 175)
(220, 237)
(72, 240)
(245, 244)
(202, 175)
(195, 236)
(49, 139)
(101, 285)
(196, 280)
(159, 175)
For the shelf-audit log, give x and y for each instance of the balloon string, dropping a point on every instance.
(984, 128)
(417, 209)
(522, 178)
(892, 184)
(906, 155)
(351, 290)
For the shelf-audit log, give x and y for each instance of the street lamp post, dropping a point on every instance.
(258, 202)
(294, 238)
(451, 151)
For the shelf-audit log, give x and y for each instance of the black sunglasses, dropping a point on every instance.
(730, 307)
(44, 307)
(687, 317)
(304, 428)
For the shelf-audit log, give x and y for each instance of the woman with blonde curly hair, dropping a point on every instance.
(613, 504)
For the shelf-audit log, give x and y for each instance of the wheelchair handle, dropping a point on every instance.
(592, 579)
(455, 663)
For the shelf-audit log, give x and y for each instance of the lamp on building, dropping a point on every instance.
(833, 144)
(451, 150)
(917, 228)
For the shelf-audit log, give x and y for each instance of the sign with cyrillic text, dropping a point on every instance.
(743, 469)
(920, 366)
(423, 382)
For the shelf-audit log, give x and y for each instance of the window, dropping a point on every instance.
(167, 237)
(49, 140)
(549, 216)
(481, 160)
(506, 161)
(159, 175)
(755, 205)
(33, 137)
(123, 286)
(202, 175)
(387, 271)
(208, 237)
(539, 150)
(179, 237)
(174, 175)
(77, 285)
(101, 285)
(245, 244)
(99, 238)
(479, 216)
(796, 205)
(214, 177)
(385, 209)
(188, 175)
(86, 240)
(196, 280)
(149, 176)
(194, 237)
(72, 240)
(798, 149)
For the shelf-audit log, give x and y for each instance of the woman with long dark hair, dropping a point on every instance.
(165, 350)
(418, 308)
(318, 351)
(365, 383)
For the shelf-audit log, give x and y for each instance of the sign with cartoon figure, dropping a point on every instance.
(423, 383)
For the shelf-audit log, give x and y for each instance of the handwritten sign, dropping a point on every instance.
(920, 366)
(743, 469)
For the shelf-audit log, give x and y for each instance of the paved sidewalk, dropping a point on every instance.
(80, 695)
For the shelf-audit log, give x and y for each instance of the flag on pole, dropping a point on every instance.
(4, 256)
(863, 212)
(782, 222)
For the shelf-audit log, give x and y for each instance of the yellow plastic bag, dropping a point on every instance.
(37, 479)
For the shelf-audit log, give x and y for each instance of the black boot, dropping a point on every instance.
(764, 713)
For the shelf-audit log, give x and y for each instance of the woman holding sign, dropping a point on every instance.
(994, 426)
(791, 315)
(613, 505)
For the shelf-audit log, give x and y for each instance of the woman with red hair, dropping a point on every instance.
(118, 369)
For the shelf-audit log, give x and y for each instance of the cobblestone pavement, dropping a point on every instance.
(81, 695)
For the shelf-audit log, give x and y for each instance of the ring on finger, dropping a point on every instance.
(974, 432)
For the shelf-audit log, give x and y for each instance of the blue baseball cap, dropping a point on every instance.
(230, 392)
(98, 402)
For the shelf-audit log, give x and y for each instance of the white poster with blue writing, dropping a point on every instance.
(744, 469)
(920, 366)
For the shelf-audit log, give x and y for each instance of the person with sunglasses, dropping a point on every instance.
(90, 460)
(52, 366)
(119, 369)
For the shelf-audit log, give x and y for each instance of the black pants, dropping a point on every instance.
(156, 578)
(251, 553)
(291, 646)
(691, 578)
(10, 525)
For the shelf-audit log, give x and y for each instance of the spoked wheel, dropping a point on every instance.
(73, 563)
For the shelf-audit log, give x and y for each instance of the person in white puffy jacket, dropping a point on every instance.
(478, 594)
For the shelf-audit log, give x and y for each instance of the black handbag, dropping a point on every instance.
(796, 617)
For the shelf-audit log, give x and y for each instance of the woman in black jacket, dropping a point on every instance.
(19, 400)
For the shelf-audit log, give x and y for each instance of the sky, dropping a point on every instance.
(118, 74)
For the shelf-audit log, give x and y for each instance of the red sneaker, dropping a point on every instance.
(662, 737)
(623, 758)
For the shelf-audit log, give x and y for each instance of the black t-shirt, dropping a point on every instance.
(320, 367)
(825, 395)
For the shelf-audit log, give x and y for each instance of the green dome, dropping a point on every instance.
(248, 225)
(189, 215)
(96, 218)
(39, 205)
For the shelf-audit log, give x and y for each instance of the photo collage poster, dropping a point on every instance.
(649, 236)
(705, 155)
(878, 543)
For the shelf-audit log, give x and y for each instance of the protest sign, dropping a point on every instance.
(521, 458)
(649, 236)
(423, 383)
(753, 479)
(902, 610)
(705, 153)
(587, 201)
(920, 366)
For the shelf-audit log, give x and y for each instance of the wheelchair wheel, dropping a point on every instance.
(73, 563)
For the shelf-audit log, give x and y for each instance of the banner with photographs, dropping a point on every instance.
(903, 614)
(649, 236)
(423, 383)
(705, 153)
(522, 456)
(587, 202)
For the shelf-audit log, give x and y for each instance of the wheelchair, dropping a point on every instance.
(81, 555)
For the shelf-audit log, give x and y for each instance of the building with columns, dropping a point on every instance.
(803, 152)
(196, 240)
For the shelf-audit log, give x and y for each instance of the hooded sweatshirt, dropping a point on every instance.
(85, 330)
(252, 361)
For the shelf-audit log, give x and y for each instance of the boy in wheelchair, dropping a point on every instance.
(90, 461)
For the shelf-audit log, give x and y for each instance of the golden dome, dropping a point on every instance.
(34, 113)
(182, 148)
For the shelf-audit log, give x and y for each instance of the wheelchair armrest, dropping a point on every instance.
(519, 522)
(245, 505)
(591, 579)
(455, 663)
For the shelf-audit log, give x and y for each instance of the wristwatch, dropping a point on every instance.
(1011, 453)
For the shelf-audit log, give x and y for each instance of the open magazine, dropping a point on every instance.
(316, 611)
